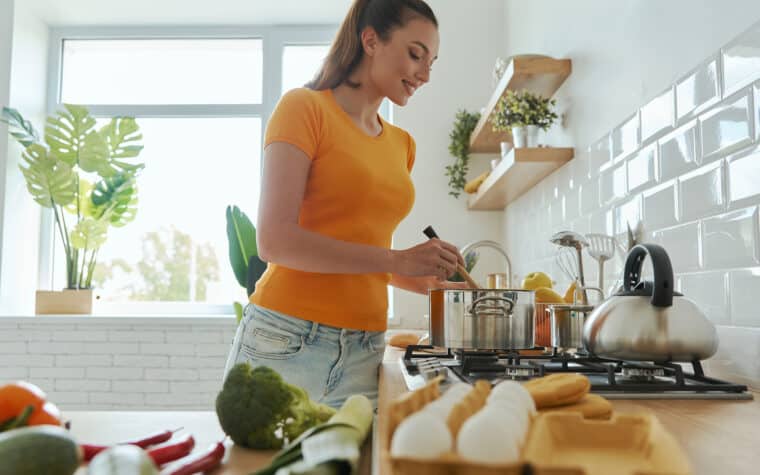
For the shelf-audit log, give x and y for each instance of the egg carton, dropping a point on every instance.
(558, 443)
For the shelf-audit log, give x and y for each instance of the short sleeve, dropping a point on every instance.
(296, 121)
(411, 153)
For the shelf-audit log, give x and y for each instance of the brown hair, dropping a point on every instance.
(346, 51)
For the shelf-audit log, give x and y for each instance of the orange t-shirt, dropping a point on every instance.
(358, 190)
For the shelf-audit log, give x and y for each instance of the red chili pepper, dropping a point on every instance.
(91, 450)
(168, 452)
(200, 462)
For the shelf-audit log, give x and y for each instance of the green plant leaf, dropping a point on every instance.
(122, 136)
(238, 311)
(459, 147)
(20, 129)
(115, 199)
(241, 236)
(50, 181)
(89, 234)
(65, 134)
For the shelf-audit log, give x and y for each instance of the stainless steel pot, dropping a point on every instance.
(567, 326)
(648, 321)
(484, 319)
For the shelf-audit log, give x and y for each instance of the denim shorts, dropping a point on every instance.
(330, 363)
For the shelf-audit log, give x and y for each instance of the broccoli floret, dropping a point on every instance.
(258, 409)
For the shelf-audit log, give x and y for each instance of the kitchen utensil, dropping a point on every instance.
(567, 262)
(493, 319)
(601, 247)
(648, 321)
(578, 242)
(430, 233)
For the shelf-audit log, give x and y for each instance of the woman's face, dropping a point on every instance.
(402, 65)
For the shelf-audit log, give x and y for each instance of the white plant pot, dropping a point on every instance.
(531, 132)
(506, 147)
(519, 136)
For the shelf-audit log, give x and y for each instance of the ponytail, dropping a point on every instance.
(347, 50)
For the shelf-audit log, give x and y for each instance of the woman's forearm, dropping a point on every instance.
(292, 246)
(418, 285)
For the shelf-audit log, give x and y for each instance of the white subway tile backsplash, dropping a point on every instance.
(194, 387)
(27, 360)
(63, 398)
(657, 115)
(166, 349)
(211, 349)
(642, 168)
(55, 348)
(598, 155)
(741, 59)
(731, 240)
(728, 127)
(743, 291)
(701, 192)
(624, 138)
(136, 336)
(601, 222)
(80, 336)
(708, 291)
(589, 196)
(628, 213)
(197, 361)
(660, 206)
(193, 337)
(738, 356)
(679, 151)
(698, 90)
(613, 183)
(118, 399)
(744, 178)
(10, 373)
(683, 246)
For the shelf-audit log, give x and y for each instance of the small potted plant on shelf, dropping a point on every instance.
(85, 173)
(523, 113)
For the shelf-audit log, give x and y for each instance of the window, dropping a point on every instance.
(201, 100)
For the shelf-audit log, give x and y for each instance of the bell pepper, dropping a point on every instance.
(23, 403)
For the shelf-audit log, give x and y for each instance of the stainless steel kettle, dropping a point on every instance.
(648, 321)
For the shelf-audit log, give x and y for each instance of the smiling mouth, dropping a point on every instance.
(409, 88)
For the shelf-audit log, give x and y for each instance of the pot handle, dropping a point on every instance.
(662, 294)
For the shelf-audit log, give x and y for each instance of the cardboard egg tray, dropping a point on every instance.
(558, 443)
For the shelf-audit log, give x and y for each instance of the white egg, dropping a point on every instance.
(422, 435)
(484, 438)
(511, 414)
(440, 407)
(456, 391)
(516, 391)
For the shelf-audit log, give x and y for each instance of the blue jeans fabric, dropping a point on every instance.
(330, 363)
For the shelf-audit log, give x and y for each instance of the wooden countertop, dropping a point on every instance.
(718, 436)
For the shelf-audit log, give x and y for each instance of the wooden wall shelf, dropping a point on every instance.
(537, 74)
(517, 172)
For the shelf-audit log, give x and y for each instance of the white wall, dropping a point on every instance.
(6, 41)
(624, 53)
(693, 180)
(20, 232)
(471, 39)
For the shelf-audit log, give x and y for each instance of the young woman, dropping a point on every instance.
(336, 183)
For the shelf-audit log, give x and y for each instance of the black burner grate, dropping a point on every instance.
(606, 375)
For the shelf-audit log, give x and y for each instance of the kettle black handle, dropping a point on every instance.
(662, 294)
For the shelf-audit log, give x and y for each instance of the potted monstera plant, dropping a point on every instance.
(244, 256)
(87, 175)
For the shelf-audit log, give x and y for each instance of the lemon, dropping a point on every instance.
(534, 280)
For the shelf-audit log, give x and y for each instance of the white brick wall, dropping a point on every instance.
(698, 197)
(100, 363)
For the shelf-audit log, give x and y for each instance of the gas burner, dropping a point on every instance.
(614, 379)
(522, 372)
(642, 374)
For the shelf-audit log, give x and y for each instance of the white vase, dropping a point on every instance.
(519, 136)
(531, 135)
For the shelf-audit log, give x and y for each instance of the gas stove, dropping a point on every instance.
(613, 379)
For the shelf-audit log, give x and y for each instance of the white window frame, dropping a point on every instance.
(274, 40)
